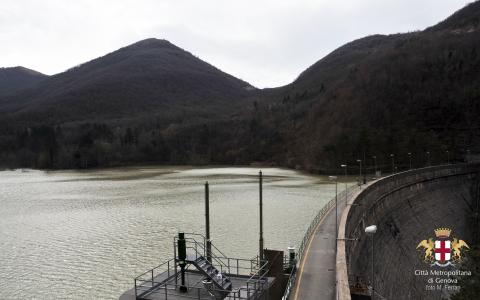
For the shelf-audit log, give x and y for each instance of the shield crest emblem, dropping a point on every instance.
(443, 250)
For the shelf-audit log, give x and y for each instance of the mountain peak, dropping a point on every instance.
(21, 69)
(152, 43)
(13, 79)
(149, 77)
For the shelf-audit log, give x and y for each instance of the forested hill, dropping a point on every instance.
(417, 92)
(18, 78)
(413, 93)
(149, 78)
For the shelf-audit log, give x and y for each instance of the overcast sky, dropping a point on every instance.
(265, 42)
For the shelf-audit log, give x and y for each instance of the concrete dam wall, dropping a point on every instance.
(406, 208)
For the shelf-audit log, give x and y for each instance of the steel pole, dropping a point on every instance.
(260, 242)
(360, 173)
(207, 222)
(373, 266)
(346, 188)
(393, 165)
(336, 213)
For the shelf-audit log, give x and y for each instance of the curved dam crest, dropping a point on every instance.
(407, 208)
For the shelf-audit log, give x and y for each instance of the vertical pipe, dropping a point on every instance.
(207, 222)
(373, 266)
(135, 288)
(346, 187)
(360, 179)
(475, 237)
(260, 183)
(393, 165)
(182, 256)
(176, 264)
(336, 213)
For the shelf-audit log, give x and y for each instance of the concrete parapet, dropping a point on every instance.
(406, 208)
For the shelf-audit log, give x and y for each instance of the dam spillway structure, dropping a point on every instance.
(409, 209)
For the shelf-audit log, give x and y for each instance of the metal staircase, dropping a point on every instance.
(220, 280)
(197, 268)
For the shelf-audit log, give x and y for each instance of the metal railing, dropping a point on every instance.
(146, 280)
(253, 272)
(308, 234)
(170, 290)
(225, 264)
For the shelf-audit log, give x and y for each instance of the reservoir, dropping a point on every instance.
(87, 234)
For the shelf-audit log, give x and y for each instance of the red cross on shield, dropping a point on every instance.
(442, 250)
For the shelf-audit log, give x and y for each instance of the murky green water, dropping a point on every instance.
(86, 235)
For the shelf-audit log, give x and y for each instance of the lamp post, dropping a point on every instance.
(334, 178)
(360, 177)
(371, 230)
(410, 159)
(375, 165)
(346, 192)
(428, 158)
(448, 157)
(393, 162)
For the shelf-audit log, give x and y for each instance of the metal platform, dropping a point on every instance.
(209, 274)
(242, 288)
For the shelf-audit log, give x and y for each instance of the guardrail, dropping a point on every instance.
(253, 270)
(308, 234)
(146, 280)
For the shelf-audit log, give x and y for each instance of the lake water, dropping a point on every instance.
(86, 235)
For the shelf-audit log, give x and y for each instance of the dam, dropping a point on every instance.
(406, 208)
(339, 259)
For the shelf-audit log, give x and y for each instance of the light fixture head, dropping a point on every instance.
(372, 229)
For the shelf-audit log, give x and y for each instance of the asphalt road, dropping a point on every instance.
(316, 274)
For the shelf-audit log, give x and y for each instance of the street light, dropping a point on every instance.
(360, 178)
(428, 158)
(371, 230)
(393, 163)
(346, 192)
(410, 159)
(375, 164)
(332, 178)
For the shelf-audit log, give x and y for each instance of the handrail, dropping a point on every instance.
(196, 294)
(205, 240)
(308, 234)
(148, 282)
(218, 260)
